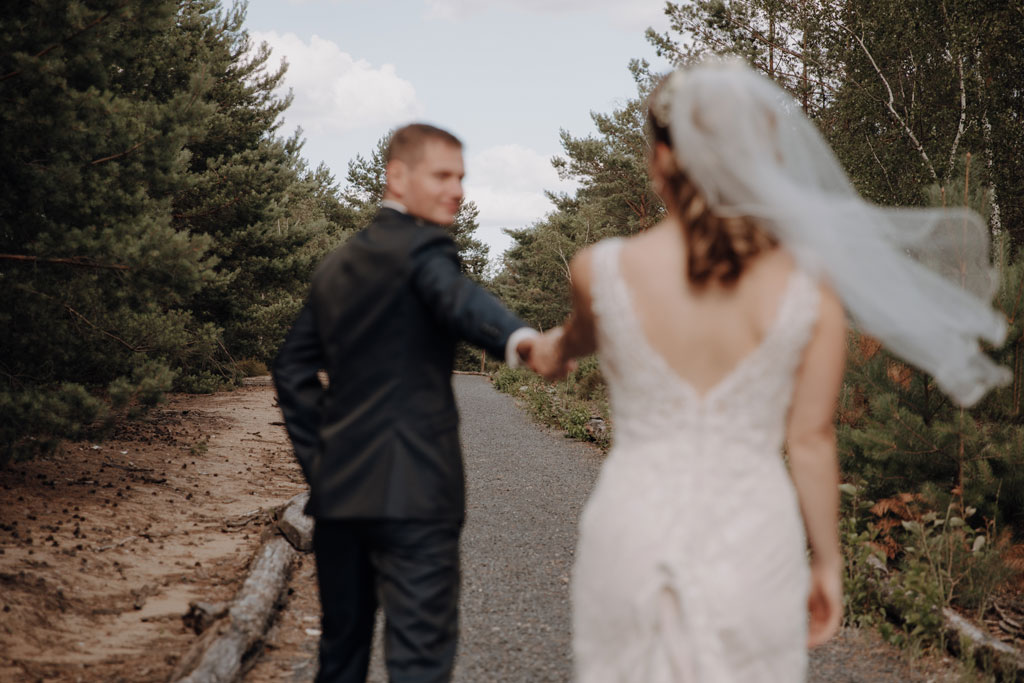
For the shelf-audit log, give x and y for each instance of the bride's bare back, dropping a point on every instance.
(702, 334)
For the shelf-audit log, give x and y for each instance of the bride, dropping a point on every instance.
(722, 334)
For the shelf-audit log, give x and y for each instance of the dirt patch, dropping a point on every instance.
(102, 546)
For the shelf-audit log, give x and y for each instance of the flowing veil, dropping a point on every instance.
(918, 280)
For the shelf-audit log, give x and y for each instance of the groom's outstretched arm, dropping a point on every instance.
(459, 304)
(299, 391)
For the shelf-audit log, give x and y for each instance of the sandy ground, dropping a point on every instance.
(103, 546)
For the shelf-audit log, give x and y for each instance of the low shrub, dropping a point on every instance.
(905, 562)
(577, 405)
(250, 367)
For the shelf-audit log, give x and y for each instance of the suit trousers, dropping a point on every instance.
(410, 568)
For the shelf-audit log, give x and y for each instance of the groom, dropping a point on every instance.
(380, 445)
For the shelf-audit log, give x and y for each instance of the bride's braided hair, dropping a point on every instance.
(717, 248)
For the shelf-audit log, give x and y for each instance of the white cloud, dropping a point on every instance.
(631, 16)
(458, 8)
(507, 182)
(324, 2)
(639, 16)
(335, 92)
(511, 166)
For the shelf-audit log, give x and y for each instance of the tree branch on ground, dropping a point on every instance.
(99, 329)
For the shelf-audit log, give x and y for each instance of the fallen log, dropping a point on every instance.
(240, 634)
(228, 646)
(990, 653)
(962, 637)
(296, 525)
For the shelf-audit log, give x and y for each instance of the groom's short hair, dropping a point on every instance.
(407, 142)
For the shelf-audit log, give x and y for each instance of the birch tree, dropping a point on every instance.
(902, 89)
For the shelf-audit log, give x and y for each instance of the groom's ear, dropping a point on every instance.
(396, 177)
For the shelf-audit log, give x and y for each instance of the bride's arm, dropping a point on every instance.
(811, 443)
(551, 355)
(578, 335)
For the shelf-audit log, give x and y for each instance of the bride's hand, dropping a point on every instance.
(545, 357)
(825, 604)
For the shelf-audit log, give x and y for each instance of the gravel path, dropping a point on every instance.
(526, 488)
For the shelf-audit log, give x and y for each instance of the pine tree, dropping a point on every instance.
(251, 192)
(366, 179)
(611, 167)
(94, 274)
(152, 225)
(472, 252)
(900, 435)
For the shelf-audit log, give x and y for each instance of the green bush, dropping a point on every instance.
(574, 421)
(589, 382)
(915, 605)
(34, 420)
(250, 367)
(467, 358)
(203, 382)
(936, 493)
(508, 381)
(569, 405)
(904, 563)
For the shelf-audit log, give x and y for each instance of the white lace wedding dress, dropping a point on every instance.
(692, 562)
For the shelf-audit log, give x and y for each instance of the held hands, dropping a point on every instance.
(825, 603)
(544, 355)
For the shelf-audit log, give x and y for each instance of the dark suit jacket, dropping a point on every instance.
(382, 318)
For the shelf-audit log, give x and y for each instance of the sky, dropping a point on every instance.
(503, 75)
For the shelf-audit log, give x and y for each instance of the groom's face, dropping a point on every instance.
(430, 187)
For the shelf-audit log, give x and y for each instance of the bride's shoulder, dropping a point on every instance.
(581, 265)
(779, 267)
(586, 256)
(583, 268)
